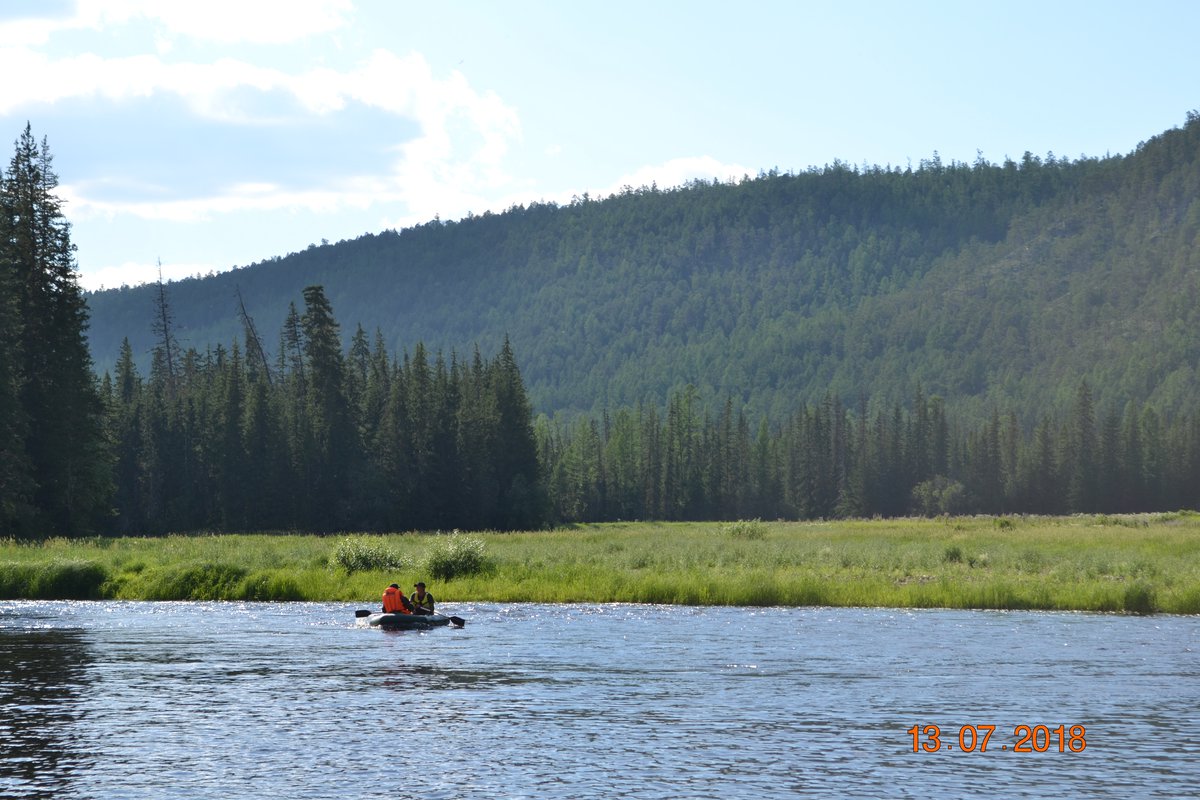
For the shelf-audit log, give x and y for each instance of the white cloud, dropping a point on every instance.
(21, 33)
(239, 198)
(204, 87)
(450, 139)
(24, 51)
(461, 139)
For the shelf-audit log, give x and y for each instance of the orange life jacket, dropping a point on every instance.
(393, 601)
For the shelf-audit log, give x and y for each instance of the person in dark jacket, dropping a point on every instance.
(422, 601)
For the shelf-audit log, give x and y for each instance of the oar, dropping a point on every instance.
(457, 622)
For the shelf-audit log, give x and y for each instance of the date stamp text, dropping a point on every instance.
(978, 738)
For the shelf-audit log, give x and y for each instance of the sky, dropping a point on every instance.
(207, 136)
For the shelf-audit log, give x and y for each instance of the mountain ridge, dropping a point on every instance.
(991, 285)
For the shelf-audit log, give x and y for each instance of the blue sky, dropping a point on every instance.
(217, 134)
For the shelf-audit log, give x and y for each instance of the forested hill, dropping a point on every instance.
(993, 285)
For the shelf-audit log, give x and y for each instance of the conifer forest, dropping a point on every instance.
(852, 372)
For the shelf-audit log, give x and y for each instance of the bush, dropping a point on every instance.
(365, 555)
(455, 556)
(937, 496)
(745, 529)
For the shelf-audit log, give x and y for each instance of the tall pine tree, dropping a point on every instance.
(62, 416)
(332, 445)
(16, 476)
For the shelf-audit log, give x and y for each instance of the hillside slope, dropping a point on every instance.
(988, 284)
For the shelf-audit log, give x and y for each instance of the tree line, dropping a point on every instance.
(319, 439)
(830, 461)
(324, 440)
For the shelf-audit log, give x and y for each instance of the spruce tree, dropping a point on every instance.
(476, 426)
(164, 331)
(230, 451)
(1080, 453)
(268, 473)
(69, 471)
(333, 436)
(16, 475)
(522, 502)
(392, 451)
(125, 430)
(417, 448)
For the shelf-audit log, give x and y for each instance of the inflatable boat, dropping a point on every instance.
(379, 619)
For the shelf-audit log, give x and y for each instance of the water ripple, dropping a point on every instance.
(211, 700)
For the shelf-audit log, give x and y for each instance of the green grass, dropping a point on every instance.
(1134, 564)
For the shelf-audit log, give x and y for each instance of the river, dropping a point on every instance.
(231, 700)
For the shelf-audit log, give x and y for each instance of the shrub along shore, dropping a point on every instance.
(1130, 563)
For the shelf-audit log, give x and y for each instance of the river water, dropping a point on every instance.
(227, 700)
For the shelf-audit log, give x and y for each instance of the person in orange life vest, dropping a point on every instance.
(394, 601)
(421, 600)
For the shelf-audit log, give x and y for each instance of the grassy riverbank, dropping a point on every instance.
(1139, 564)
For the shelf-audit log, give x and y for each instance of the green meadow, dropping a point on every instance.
(1136, 564)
